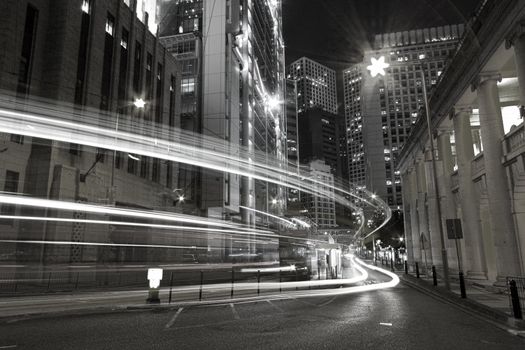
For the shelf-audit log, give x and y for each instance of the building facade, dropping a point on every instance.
(316, 85)
(380, 111)
(478, 137)
(321, 210)
(233, 55)
(86, 61)
(319, 139)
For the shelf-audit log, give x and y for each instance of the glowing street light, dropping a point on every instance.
(272, 102)
(139, 103)
(378, 67)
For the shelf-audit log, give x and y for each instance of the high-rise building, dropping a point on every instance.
(319, 139)
(321, 210)
(381, 110)
(316, 85)
(232, 57)
(292, 134)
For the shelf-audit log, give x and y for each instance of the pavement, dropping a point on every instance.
(483, 299)
(396, 318)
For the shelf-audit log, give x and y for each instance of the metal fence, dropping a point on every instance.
(516, 291)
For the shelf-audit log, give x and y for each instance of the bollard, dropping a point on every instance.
(515, 298)
(462, 285)
(280, 281)
(200, 289)
(296, 278)
(417, 270)
(171, 287)
(406, 267)
(318, 271)
(258, 281)
(392, 265)
(233, 280)
(434, 276)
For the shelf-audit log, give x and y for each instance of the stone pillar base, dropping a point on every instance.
(476, 275)
(501, 281)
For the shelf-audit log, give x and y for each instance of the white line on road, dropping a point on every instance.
(385, 324)
(275, 306)
(8, 347)
(327, 302)
(172, 321)
(235, 314)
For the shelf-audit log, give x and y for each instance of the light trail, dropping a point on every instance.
(269, 215)
(190, 149)
(131, 245)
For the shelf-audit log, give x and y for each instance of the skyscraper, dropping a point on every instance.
(316, 85)
(232, 56)
(380, 111)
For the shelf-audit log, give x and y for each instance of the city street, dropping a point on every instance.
(387, 319)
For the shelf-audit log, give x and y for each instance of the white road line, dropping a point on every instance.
(172, 321)
(327, 302)
(235, 314)
(8, 347)
(275, 306)
(388, 324)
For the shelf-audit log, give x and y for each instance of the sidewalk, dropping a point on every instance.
(482, 298)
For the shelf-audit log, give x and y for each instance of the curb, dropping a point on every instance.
(497, 318)
(110, 309)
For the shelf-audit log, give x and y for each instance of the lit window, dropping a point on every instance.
(188, 86)
(110, 25)
(86, 6)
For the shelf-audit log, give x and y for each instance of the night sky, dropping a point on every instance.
(336, 32)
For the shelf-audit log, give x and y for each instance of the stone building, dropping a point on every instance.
(476, 121)
(84, 61)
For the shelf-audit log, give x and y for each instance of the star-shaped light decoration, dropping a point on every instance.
(378, 66)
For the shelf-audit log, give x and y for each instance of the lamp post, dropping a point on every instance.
(378, 67)
(444, 256)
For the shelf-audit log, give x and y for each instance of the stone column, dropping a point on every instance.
(405, 180)
(434, 235)
(414, 218)
(492, 133)
(422, 233)
(445, 170)
(469, 199)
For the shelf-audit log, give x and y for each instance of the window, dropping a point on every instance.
(28, 43)
(110, 25)
(107, 63)
(82, 52)
(171, 115)
(137, 68)
(123, 65)
(188, 86)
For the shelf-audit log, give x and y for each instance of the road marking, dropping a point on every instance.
(327, 302)
(235, 314)
(172, 321)
(8, 346)
(385, 324)
(275, 306)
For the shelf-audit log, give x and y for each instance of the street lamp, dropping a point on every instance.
(378, 66)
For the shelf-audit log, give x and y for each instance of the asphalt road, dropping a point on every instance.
(397, 318)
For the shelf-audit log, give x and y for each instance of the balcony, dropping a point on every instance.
(514, 143)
